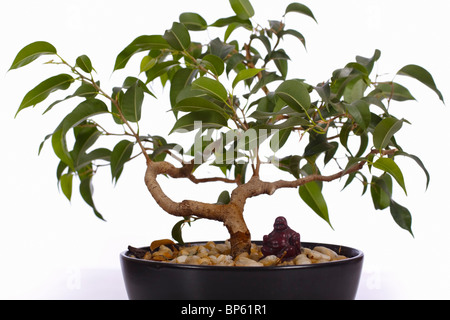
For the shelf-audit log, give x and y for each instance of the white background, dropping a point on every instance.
(53, 249)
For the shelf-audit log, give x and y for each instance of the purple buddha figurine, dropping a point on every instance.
(282, 241)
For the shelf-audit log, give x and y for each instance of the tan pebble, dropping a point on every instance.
(193, 260)
(302, 259)
(181, 259)
(210, 245)
(163, 251)
(269, 260)
(326, 251)
(189, 251)
(316, 255)
(148, 256)
(205, 261)
(224, 248)
(202, 252)
(247, 262)
(222, 260)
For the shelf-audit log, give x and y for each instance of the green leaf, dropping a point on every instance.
(214, 63)
(147, 63)
(194, 104)
(245, 74)
(178, 37)
(419, 162)
(242, 8)
(381, 191)
(312, 196)
(401, 216)
(84, 63)
(160, 69)
(97, 154)
(66, 185)
(199, 120)
(132, 103)
(212, 87)
(142, 43)
(83, 111)
(294, 33)
(86, 90)
(86, 191)
(44, 89)
(392, 90)
(224, 198)
(384, 131)
(295, 94)
(180, 80)
(176, 231)
(300, 8)
(422, 75)
(31, 52)
(119, 156)
(360, 112)
(85, 137)
(388, 165)
(193, 21)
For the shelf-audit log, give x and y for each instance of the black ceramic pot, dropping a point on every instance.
(151, 280)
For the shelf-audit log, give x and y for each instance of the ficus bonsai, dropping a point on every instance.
(243, 107)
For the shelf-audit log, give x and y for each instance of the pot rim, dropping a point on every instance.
(359, 255)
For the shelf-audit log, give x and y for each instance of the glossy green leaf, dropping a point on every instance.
(360, 112)
(160, 69)
(401, 216)
(193, 21)
(392, 90)
(180, 80)
(242, 8)
(97, 154)
(294, 33)
(232, 20)
(199, 120)
(44, 89)
(131, 104)
(66, 185)
(224, 198)
(147, 63)
(388, 165)
(245, 74)
(381, 191)
(85, 137)
(419, 162)
(177, 231)
(119, 156)
(86, 90)
(142, 43)
(194, 104)
(214, 64)
(384, 131)
(300, 8)
(31, 52)
(84, 63)
(422, 75)
(86, 191)
(312, 196)
(178, 37)
(83, 111)
(295, 94)
(212, 87)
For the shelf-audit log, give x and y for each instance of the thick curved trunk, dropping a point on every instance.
(230, 214)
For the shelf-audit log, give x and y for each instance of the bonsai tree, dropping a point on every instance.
(241, 109)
